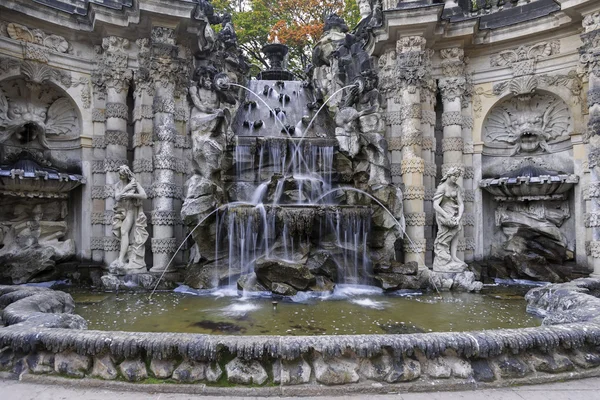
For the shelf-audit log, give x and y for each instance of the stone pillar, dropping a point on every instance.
(411, 56)
(428, 120)
(468, 180)
(99, 216)
(111, 80)
(590, 57)
(165, 190)
(452, 87)
(143, 96)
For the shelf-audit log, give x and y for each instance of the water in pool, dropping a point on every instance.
(349, 310)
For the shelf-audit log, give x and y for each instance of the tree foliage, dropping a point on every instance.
(296, 23)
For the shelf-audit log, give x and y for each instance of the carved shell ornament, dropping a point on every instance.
(528, 126)
(29, 121)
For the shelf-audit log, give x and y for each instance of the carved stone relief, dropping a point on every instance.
(528, 126)
(32, 113)
(32, 238)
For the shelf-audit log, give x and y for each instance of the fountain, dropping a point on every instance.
(281, 161)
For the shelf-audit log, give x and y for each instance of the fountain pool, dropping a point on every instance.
(350, 309)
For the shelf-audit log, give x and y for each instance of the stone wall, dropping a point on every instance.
(375, 363)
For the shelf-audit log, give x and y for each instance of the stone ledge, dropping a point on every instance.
(412, 362)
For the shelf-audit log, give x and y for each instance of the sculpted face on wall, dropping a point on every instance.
(528, 125)
(30, 113)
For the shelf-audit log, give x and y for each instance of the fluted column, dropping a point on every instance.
(111, 80)
(411, 56)
(165, 190)
(590, 57)
(452, 87)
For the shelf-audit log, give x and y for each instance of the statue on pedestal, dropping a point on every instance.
(449, 207)
(129, 224)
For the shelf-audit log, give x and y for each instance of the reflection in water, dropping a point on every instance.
(349, 310)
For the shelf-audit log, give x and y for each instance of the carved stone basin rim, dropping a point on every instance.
(521, 188)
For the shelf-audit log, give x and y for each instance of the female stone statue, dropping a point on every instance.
(129, 223)
(448, 205)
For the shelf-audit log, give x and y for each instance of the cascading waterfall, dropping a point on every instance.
(290, 173)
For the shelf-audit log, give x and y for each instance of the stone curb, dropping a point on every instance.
(307, 364)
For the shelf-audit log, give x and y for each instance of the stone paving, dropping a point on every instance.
(588, 389)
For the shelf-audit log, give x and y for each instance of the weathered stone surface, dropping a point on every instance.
(410, 268)
(104, 367)
(534, 267)
(465, 282)
(162, 369)
(390, 369)
(335, 371)
(72, 364)
(511, 367)
(460, 368)
(271, 270)
(397, 281)
(246, 372)
(111, 282)
(565, 302)
(584, 359)
(7, 358)
(322, 263)
(250, 283)
(292, 372)
(552, 363)
(133, 370)
(437, 368)
(283, 289)
(482, 371)
(213, 372)
(42, 308)
(41, 362)
(322, 284)
(189, 372)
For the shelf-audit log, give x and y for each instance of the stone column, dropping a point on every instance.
(165, 190)
(99, 215)
(411, 73)
(428, 119)
(468, 180)
(452, 87)
(143, 96)
(111, 79)
(590, 57)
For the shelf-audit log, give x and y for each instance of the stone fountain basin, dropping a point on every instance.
(38, 342)
(543, 187)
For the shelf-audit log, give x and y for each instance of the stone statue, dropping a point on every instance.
(448, 206)
(209, 122)
(129, 224)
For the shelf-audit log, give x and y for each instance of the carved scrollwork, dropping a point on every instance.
(452, 88)
(452, 144)
(414, 193)
(452, 118)
(415, 246)
(164, 245)
(116, 110)
(412, 165)
(523, 58)
(415, 219)
(160, 217)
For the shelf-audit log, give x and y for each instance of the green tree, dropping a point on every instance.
(296, 23)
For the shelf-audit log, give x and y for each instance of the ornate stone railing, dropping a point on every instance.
(302, 364)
